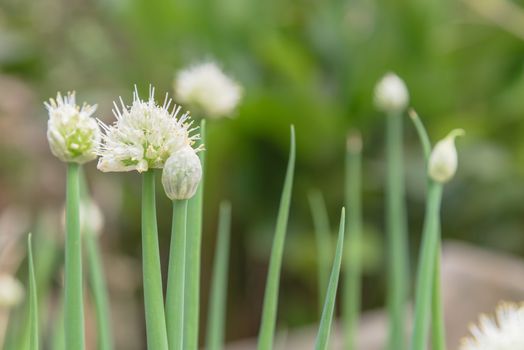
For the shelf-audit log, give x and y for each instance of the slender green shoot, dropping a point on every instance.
(269, 311)
(47, 252)
(422, 133)
(218, 299)
(33, 300)
(74, 305)
(438, 333)
(323, 241)
(99, 291)
(324, 330)
(153, 296)
(176, 277)
(397, 232)
(426, 267)
(193, 251)
(96, 277)
(352, 261)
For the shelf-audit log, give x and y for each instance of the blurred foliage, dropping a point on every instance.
(310, 63)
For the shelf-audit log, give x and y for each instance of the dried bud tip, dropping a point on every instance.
(354, 142)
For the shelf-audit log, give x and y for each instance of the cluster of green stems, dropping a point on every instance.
(172, 323)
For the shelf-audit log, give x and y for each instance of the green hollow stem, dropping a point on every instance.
(33, 300)
(193, 252)
(99, 291)
(74, 307)
(438, 332)
(153, 297)
(426, 267)
(218, 298)
(269, 310)
(323, 242)
(176, 277)
(324, 330)
(397, 233)
(352, 262)
(96, 277)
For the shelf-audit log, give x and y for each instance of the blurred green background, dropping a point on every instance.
(310, 63)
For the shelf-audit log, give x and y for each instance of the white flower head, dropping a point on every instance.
(73, 135)
(91, 217)
(391, 94)
(182, 174)
(144, 135)
(503, 332)
(443, 160)
(207, 88)
(11, 291)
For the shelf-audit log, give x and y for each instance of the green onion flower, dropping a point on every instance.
(144, 135)
(72, 133)
(208, 89)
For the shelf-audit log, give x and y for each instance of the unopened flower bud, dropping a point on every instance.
(11, 291)
(443, 159)
(182, 174)
(391, 94)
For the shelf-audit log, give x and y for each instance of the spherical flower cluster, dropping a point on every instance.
(443, 160)
(391, 94)
(144, 135)
(207, 88)
(72, 134)
(504, 332)
(11, 291)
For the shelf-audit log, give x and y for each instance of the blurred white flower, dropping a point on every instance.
(72, 134)
(443, 160)
(391, 94)
(504, 332)
(144, 135)
(182, 174)
(91, 218)
(11, 291)
(206, 87)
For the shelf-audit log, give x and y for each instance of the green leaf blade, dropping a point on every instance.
(323, 242)
(218, 299)
(33, 300)
(324, 330)
(269, 311)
